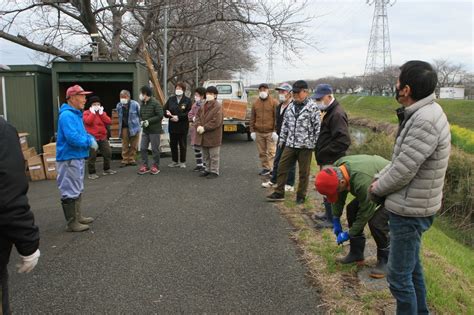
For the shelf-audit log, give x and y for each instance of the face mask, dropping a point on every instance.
(263, 95)
(178, 92)
(123, 101)
(209, 97)
(141, 97)
(397, 94)
(282, 97)
(197, 98)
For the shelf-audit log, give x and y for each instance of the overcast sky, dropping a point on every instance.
(421, 29)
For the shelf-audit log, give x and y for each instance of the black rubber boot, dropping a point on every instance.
(70, 213)
(380, 270)
(80, 218)
(356, 251)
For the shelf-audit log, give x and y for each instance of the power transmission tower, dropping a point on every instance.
(379, 54)
(270, 63)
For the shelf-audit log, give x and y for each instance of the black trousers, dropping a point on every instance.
(378, 224)
(178, 140)
(5, 256)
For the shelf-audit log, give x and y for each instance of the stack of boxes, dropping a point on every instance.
(114, 128)
(38, 167)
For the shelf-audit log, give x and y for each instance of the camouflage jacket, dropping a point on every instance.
(300, 129)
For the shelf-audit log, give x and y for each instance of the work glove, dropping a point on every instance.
(274, 137)
(253, 135)
(144, 123)
(101, 110)
(200, 130)
(94, 145)
(342, 237)
(174, 118)
(336, 226)
(28, 262)
(93, 110)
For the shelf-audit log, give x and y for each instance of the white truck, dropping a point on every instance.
(232, 90)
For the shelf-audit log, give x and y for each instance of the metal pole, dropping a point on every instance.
(197, 65)
(4, 99)
(165, 56)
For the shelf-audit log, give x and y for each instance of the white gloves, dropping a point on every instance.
(274, 137)
(101, 110)
(168, 113)
(94, 145)
(253, 135)
(92, 110)
(200, 130)
(28, 262)
(144, 123)
(194, 119)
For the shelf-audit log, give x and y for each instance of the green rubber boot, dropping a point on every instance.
(83, 220)
(70, 213)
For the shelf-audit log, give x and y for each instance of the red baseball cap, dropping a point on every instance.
(326, 184)
(76, 90)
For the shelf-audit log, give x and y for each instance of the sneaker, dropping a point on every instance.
(264, 172)
(173, 164)
(93, 176)
(319, 217)
(275, 197)
(268, 184)
(198, 169)
(300, 200)
(204, 174)
(154, 170)
(143, 170)
(212, 176)
(133, 163)
(323, 225)
(289, 188)
(122, 165)
(182, 165)
(109, 172)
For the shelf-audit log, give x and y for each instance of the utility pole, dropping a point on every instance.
(165, 55)
(270, 63)
(379, 54)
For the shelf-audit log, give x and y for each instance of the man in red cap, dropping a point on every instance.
(72, 148)
(354, 174)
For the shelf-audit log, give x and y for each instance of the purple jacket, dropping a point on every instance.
(191, 115)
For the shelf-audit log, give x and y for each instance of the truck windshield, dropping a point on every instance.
(224, 89)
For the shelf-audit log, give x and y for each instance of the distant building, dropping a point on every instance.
(456, 93)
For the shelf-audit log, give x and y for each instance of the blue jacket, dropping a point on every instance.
(73, 142)
(133, 118)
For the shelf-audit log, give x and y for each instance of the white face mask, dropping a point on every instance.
(178, 92)
(282, 97)
(124, 101)
(197, 98)
(141, 97)
(209, 97)
(263, 95)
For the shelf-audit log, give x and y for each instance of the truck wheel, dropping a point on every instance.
(249, 138)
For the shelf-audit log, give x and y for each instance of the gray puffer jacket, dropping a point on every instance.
(300, 129)
(413, 181)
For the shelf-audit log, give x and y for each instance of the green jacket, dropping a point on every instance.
(361, 169)
(153, 112)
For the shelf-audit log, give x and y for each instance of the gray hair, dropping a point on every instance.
(125, 92)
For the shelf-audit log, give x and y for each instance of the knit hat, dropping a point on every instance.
(326, 184)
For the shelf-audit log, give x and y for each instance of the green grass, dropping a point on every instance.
(449, 272)
(382, 109)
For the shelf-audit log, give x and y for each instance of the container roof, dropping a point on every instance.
(27, 68)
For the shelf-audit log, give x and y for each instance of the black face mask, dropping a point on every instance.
(397, 94)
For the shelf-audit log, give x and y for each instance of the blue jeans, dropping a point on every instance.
(291, 173)
(405, 273)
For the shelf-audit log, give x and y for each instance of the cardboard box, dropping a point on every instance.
(49, 161)
(235, 109)
(30, 152)
(50, 148)
(23, 140)
(36, 168)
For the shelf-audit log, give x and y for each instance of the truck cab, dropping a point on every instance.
(232, 90)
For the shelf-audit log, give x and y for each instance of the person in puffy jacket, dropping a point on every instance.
(412, 184)
(96, 121)
(17, 222)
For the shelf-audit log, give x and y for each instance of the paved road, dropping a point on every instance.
(166, 244)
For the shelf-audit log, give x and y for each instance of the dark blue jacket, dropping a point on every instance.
(73, 141)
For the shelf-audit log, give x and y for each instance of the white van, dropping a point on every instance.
(232, 90)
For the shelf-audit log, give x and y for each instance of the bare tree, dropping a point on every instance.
(449, 74)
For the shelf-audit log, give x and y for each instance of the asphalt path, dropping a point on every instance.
(170, 243)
